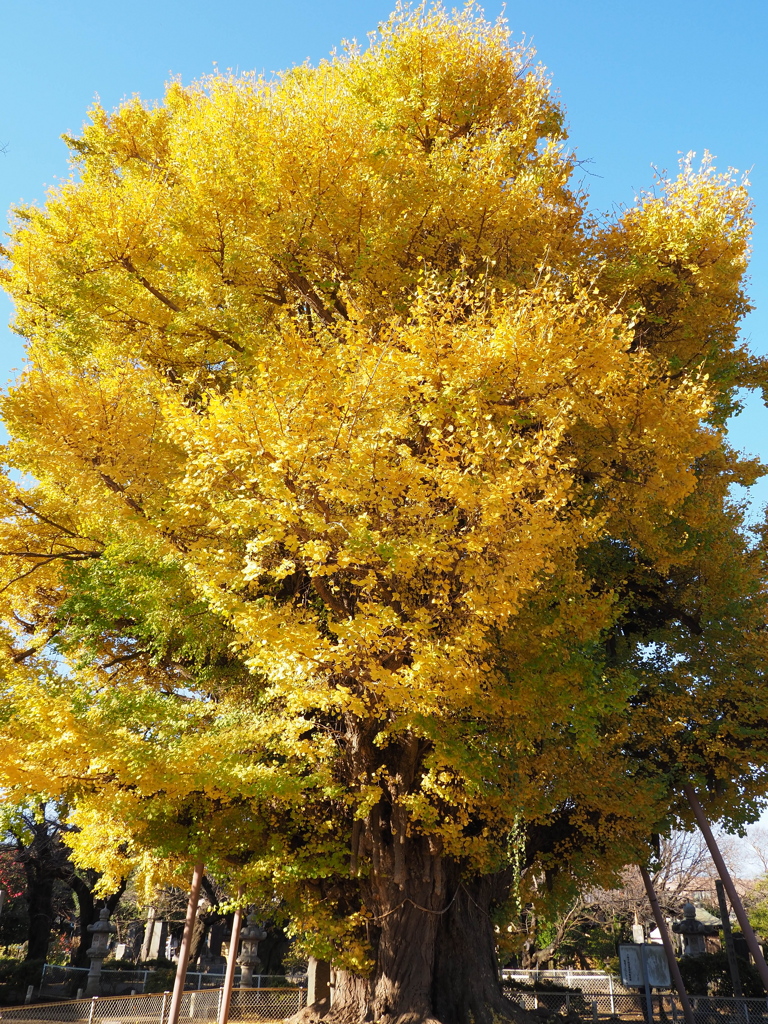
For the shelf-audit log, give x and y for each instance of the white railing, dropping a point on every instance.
(590, 982)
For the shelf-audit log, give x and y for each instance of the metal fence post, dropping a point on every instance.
(610, 993)
(91, 1009)
(594, 1010)
(162, 1008)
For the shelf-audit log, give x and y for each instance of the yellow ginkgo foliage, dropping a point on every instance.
(376, 499)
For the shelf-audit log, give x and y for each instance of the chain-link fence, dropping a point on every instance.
(275, 1004)
(248, 1004)
(665, 1008)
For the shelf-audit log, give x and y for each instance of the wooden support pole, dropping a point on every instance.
(733, 964)
(730, 888)
(186, 943)
(661, 924)
(229, 977)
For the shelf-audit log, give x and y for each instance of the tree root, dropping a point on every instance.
(321, 1013)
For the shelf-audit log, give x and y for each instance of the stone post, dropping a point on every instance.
(733, 965)
(318, 982)
(101, 931)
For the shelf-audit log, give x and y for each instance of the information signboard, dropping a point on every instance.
(631, 966)
(631, 958)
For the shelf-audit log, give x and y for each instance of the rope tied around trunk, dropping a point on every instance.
(427, 910)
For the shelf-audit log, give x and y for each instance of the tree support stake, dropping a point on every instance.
(186, 943)
(730, 888)
(661, 924)
(229, 977)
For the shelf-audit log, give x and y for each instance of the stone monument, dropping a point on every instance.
(694, 930)
(101, 932)
(155, 937)
(250, 937)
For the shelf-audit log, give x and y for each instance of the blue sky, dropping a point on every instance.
(641, 83)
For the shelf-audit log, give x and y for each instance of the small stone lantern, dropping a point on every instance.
(694, 932)
(101, 932)
(250, 937)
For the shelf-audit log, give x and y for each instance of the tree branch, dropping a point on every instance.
(329, 598)
(308, 293)
(113, 485)
(51, 522)
(125, 261)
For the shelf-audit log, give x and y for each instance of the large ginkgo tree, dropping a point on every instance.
(375, 497)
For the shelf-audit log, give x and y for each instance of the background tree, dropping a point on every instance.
(584, 933)
(14, 921)
(36, 835)
(36, 840)
(83, 883)
(381, 506)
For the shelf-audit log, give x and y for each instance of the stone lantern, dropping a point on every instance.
(101, 932)
(694, 932)
(250, 937)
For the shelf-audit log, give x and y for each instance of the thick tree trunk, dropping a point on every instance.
(400, 987)
(430, 931)
(86, 914)
(43, 857)
(40, 903)
(434, 944)
(466, 984)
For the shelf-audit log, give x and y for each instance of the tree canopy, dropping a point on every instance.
(375, 495)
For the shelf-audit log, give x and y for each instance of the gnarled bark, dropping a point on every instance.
(433, 940)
